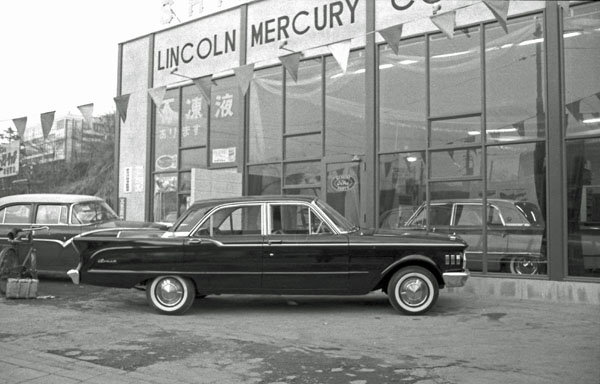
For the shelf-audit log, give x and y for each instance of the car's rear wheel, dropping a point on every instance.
(8, 264)
(171, 295)
(523, 265)
(413, 290)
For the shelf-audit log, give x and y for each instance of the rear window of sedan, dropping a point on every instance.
(16, 214)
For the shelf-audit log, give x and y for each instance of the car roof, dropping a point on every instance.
(254, 199)
(475, 200)
(48, 198)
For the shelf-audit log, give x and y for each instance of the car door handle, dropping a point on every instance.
(194, 241)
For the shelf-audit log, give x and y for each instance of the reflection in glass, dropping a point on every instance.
(455, 131)
(303, 99)
(516, 190)
(456, 163)
(583, 209)
(514, 76)
(401, 187)
(266, 115)
(581, 41)
(185, 181)
(402, 100)
(343, 189)
(264, 179)
(166, 140)
(345, 132)
(303, 147)
(302, 173)
(455, 73)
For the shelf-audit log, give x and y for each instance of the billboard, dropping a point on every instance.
(9, 158)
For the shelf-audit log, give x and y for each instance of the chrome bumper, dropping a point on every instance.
(456, 279)
(74, 275)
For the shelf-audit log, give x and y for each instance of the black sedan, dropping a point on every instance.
(271, 245)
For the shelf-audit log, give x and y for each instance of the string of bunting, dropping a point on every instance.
(445, 22)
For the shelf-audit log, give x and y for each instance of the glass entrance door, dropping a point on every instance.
(343, 188)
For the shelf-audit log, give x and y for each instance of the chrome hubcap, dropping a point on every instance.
(414, 291)
(525, 267)
(169, 292)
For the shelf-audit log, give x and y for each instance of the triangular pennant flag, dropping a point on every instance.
(204, 84)
(574, 110)
(244, 75)
(122, 102)
(47, 121)
(445, 22)
(87, 111)
(500, 10)
(392, 36)
(158, 94)
(291, 64)
(565, 5)
(20, 124)
(341, 53)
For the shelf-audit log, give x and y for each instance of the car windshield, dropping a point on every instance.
(531, 212)
(92, 212)
(338, 219)
(190, 218)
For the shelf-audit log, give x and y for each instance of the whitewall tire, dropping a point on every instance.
(171, 295)
(413, 290)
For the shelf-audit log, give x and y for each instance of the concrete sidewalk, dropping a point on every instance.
(83, 334)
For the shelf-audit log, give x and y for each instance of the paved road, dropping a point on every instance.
(82, 334)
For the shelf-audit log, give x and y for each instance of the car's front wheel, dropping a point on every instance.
(523, 265)
(171, 295)
(413, 290)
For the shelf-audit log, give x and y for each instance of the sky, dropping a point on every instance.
(60, 54)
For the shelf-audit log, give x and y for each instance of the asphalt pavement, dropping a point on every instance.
(82, 334)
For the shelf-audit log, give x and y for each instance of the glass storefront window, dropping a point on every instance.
(266, 115)
(226, 123)
(194, 115)
(455, 73)
(193, 158)
(303, 147)
(306, 173)
(345, 132)
(166, 140)
(456, 163)
(581, 39)
(583, 207)
(402, 97)
(516, 186)
(515, 102)
(264, 179)
(401, 187)
(304, 98)
(185, 181)
(455, 131)
(165, 197)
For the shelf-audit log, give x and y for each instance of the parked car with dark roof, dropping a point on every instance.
(271, 245)
(65, 216)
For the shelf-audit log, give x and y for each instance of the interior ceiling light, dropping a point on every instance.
(408, 62)
(385, 66)
(529, 42)
(451, 54)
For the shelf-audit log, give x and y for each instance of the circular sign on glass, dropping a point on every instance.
(166, 162)
(343, 183)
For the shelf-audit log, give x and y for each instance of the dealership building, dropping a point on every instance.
(488, 112)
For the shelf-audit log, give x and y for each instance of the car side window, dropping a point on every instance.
(16, 214)
(440, 216)
(296, 219)
(51, 214)
(494, 217)
(468, 215)
(245, 220)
